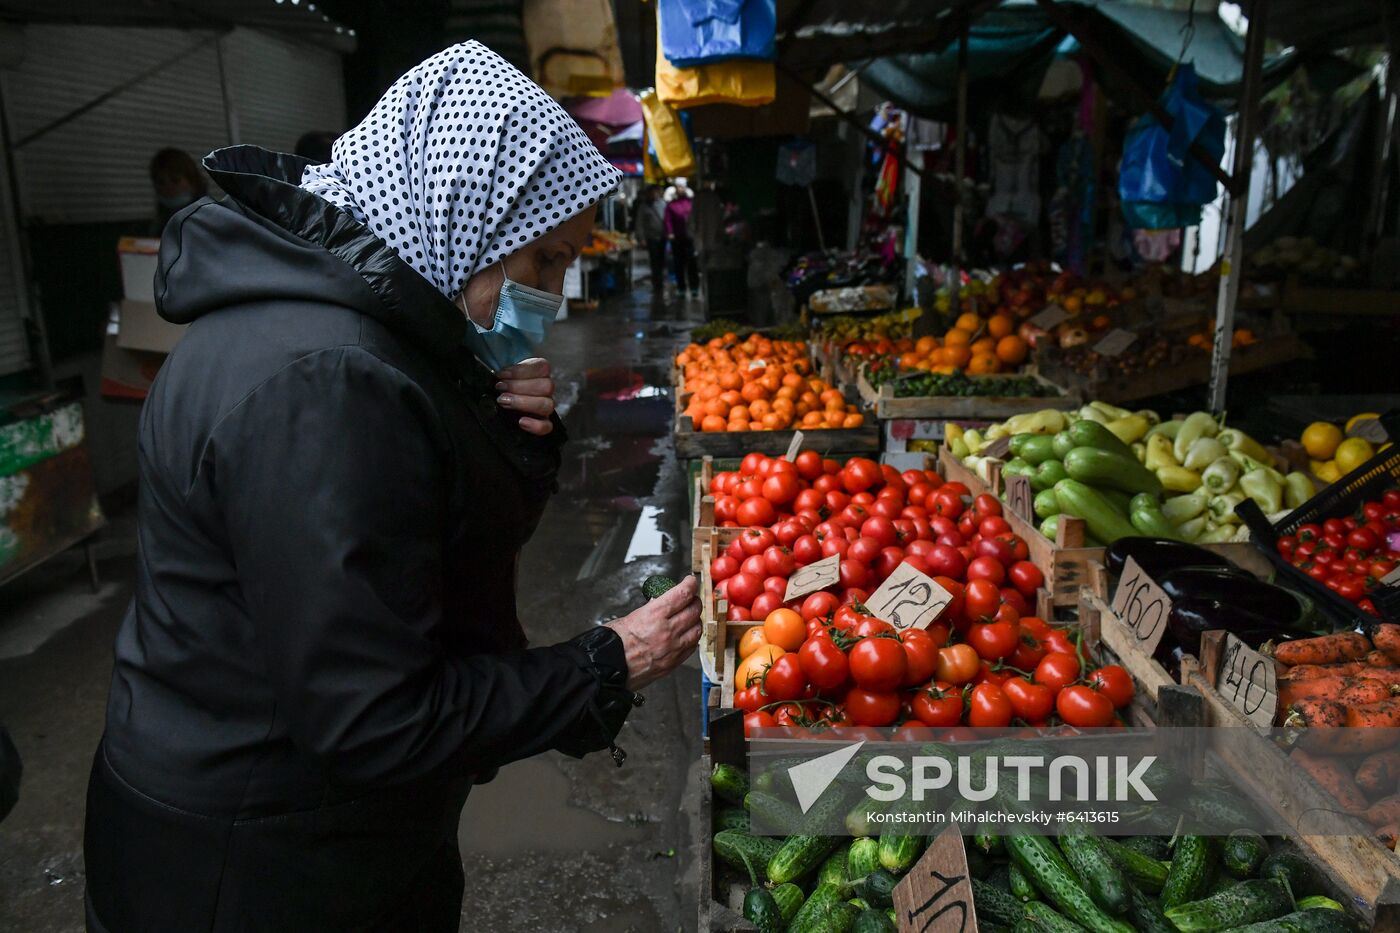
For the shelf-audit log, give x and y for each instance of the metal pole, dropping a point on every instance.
(230, 109)
(1230, 262)
(913, 185)
(855, 207)
(959, 173)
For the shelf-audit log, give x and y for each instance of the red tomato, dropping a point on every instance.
(997, 549)
(864, 499)
(738, 614)
(819, 605)
(1057, 670)
(1026, 577)
(853, 595)
(881, 529)
(788, 531)
(871, 707)
(918, 564)
(869, 627)
(775, 584)
(994, 641)
(806, 550)
(758, 511)
(1036, 627)
(1080, 706)
(941, 706)
(920, 655)
(727, 508)
(945, 561)
(809, 465)
(888, 559)
(743, 588)
(748, 699)
(967, 525)
(939, 633)
(1012, 599)
(836, 544)
(860, 474)
(824, 665)
(1028, 652)
(918, 493)
(864, 550)
(942, 525)
(791, 715)
(808, 499)
(957, 608)
(993, 525)
(905, 531)
(853, 573)
(754, 564)
(885, 507)
(988, 707)
(723, 567)
(846, 617)
(1057, 641)
(1031, 702)
(983, 599)
(836, 501)
(986, 675)
(784, 679)
(945, 502)
(758, 720)
(765, 603)
(757, 540)
(781, 488)
(854, 515)
(779, 561)
(750, 464)
(957, 664)
(1019, 550)
(750, 488)
(985, 504)
(1113, 682)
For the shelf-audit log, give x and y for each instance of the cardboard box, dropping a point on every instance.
(137, 257)
(141, 328)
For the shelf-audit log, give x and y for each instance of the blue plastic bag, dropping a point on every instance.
(700, 32)
(1160, 183)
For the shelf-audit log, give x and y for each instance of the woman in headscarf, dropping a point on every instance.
(322, 654)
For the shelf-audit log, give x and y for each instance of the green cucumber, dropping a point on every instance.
(763, 911)
(729, 783)
(1099, 467)
(1047, 869)
(862, 858)
(1093, 435)
(1045, 504)
(1295, 871)
(1319, 902)
(833, 870)
(1018, 467)
(987, 843)
(1317, 920)
(1042, 918)
(1146, 516)
(878, 888)
(899, 853)
(872, 921)
(769, 814)
(1102, 519)
(732, 846)
(858, 903)
(1103, 879)
(1142, 870)
(1217, 806)
(1047, 475)
(1249, 901)
(1035, 449)
(1243, 853)
(1157, 847)
(859, 821)
(656, 585)
(789, 897)
(1189, 875)
(1020, 886)
(825, 911)
(732, 818)
(799, 855)
(1145, 914)
(994, 904)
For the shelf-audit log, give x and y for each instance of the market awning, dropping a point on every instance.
(1334, 24)
(819, 33)
(300, 17)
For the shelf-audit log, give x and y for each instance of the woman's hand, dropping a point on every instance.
(661, 634)
(527, 388)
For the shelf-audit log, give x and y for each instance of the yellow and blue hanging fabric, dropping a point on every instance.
(728, 47)
(666, 134)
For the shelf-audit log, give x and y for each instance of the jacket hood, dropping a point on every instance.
(271, 240)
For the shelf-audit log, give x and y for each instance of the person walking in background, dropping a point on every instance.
(682, 246)
(178, 183)
(650, 228)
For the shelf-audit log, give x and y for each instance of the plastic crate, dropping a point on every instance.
(1338, 500)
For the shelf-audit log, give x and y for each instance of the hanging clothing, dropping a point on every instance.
(926, 135)
(702, 32)
(797, 163)
(1014, 145)
(450, 205)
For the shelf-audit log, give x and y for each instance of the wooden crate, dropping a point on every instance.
(975, 407)
(693, 445)
(1366, 871)
(952, 470)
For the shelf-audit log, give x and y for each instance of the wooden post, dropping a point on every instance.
(959, 173)
(1230, 262)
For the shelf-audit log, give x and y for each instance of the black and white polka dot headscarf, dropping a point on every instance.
(461, 163)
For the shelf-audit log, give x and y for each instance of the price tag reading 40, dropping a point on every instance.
(815, 576)
(1142, 606)
(908, 599)
(1249, 681)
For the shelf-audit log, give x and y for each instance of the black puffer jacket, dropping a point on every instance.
(323, 651)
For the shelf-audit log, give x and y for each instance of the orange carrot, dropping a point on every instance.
(1291, 691)
(1386, 675)
(1384, 811)
(1318, 714)
(1378, 658)
(1325, 649)
(1379, 774)
(1358, 691)
(1382, 714)
(1316, 671)
(1334, 778)
(1387, 638)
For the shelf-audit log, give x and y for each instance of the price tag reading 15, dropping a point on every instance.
(908, 599)
(1141, 605)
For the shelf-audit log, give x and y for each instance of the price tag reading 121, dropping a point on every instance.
(1141, 605)
(908, 599)
(1249, 681)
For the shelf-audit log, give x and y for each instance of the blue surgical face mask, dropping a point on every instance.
(524, 316)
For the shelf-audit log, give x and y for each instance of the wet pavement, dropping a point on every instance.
(553, 843)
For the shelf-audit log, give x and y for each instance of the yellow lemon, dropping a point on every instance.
(1353, 452)
(1328, 472)
(1351, 423)
(1320, 440)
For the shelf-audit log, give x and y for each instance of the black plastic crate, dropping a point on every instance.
(1338, 500)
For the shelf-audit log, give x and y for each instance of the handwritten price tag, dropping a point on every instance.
(1115, 342)
(908, 599)
(1142, 606)
(1052, 316)
(1249, 681)
(813, 577)
(998, 449)
(1019, 498)
(1370, 429)
(936, 895)
(794, 447)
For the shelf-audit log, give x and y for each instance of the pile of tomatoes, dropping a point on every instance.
(1350, 556)
(823, 660)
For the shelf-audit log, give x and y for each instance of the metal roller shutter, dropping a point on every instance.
(14, 345)
(280, 89)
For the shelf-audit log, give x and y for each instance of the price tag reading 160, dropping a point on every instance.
(1141, 605)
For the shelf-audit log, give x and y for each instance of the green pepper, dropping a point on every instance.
(1222, 507)
(1180, 509)
(1221, 475)
(1236, 439)
(1263, 489)
(1192, 529)
(1297, 489)
(1219, 534)
(1249, 465)
(1167, 429)
(1203, 452)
